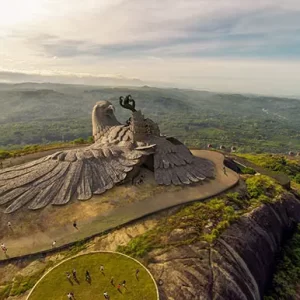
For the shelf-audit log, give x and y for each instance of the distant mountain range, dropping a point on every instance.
(44, 112)
(32, 79)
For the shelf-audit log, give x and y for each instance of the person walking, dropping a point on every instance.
(71, 296)
(124, 283)
(53, 244)
(74, 274)
(105, 295)
(3, 247)
(112, 281)
(137, 273)
(75, 225)
(87, 276)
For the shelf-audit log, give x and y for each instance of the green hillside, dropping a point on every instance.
(42, 113)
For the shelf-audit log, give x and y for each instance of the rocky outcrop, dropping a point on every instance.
(229, 163)
(238, 265)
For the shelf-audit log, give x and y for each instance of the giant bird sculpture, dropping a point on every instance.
(117, 154)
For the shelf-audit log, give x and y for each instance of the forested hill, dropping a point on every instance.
(40, 113)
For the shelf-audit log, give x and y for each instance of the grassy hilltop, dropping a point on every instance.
(46, 114)
(200, 222)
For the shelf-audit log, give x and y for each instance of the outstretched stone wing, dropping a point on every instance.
(55, 179)
(175, 164)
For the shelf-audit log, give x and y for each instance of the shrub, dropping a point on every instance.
(275, 163)
(248, 171)
(297, 178)
(141, 245)
(90, 139)
(79, 141)
(4, 154)
(236, 199)
(262, 186)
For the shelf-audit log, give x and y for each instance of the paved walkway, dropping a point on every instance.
(39, 241)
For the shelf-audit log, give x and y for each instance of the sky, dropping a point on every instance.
(240, 46)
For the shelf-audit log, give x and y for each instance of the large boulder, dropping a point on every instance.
(238, 265)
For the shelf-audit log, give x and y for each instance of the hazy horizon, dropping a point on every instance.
(112, 83)
(230, 46)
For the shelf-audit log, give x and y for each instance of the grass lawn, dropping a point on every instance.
(55, 284)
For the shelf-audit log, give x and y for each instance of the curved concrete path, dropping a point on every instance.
(33, 242)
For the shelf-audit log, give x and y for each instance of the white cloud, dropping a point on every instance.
(197, 43)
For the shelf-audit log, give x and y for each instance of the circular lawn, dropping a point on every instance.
(56, 284)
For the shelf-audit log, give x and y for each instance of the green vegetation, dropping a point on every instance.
(55, 284)
(49, 116)
(47, 113)
(206, 219)
(287, 274)
(276, 163)
(297, 178)
(247, 170)
(262, 188)
(4, 154)
(79, 141)
(20, 284)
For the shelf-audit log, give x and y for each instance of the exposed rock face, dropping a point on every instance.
(121, 236)
(237, 266)
(229, 163)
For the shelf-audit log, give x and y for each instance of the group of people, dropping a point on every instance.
(74, 273)
(71, 295)
(53, 245)
(88, 278)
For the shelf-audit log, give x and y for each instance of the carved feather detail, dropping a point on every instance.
(117, 150)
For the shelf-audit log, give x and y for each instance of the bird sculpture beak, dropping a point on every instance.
(111, 107)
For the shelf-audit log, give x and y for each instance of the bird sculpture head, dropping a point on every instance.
(103, 118)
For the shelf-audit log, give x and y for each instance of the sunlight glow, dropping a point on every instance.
(231, 45)
(15, 12)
